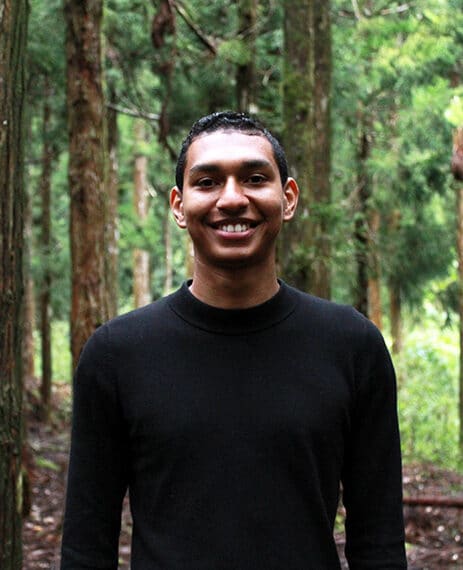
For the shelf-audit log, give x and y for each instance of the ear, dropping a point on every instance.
(176, 206)
(291, 196)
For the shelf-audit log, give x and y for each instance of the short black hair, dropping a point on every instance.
(230, 121)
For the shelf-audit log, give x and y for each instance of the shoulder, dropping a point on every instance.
(130, 329)
(335, 321)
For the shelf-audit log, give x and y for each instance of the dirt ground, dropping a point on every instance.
(434, 534)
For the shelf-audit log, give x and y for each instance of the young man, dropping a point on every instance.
(234, 408)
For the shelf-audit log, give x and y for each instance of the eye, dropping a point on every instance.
(206, 183)
(257, 179)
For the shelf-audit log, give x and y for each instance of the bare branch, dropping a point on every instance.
(133, 112)
(397, 10)
(358, 15)
(434, 501)
(207, 42)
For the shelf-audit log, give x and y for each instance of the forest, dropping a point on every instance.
(96, 97)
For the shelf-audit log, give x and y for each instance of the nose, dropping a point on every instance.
(232, 196)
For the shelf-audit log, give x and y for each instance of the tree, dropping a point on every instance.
(306, 113)
(363, 198)
(86, 171)
(112, 229)
(141, 257)
(245, 74)
(28, 345)
(45, 292)
(457, 170)
(13, 27)
(321, 149)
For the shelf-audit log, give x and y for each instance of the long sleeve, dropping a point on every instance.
(372, 481)
(97, 478)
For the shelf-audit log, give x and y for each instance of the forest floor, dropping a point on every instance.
(434, 534)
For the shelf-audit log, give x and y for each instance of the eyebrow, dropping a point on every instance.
(245, 165)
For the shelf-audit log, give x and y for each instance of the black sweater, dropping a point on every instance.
(232, 430)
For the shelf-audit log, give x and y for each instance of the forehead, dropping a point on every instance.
(229, 147)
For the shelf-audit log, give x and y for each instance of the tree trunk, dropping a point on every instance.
(45, 242)
(304, 252)
(456, 156)
(13, 33)
(321, 150)
(85, 105)
(245, 74)
(164, 38)
(141, 257)
(112, 225)
(169, 277)
(374, 283)
(395, 303)
(460, 305)
(28, 344)
(361, 217)
(190, 256)
(295, 255)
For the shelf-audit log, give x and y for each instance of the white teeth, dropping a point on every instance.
(234, 228)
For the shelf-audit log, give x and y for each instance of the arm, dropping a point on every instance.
(97, 478)
(372, 479)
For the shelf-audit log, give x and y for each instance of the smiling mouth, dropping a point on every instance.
(234, 228)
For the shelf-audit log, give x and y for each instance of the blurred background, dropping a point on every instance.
(367, 99)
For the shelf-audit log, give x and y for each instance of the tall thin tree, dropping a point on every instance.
(363, 196)
(457, 170)
(141, 257)
(245, 73)
(112, 220)
(45, 242)
(28, 345)
(305, 252)
(86, 171)
(13, 30)
(321, 149)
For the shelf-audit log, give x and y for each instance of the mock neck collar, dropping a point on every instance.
(233, 321)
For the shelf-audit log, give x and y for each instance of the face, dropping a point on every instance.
(233, 203)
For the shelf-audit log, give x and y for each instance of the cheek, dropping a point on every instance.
(275, 207)
(199, 205)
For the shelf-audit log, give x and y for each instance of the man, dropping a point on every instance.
(234, 408)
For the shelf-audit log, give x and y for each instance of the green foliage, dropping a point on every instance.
(61, 356)
(454, 112)
(428, 396)
(44, 463)
(397, 76)
(45, 40)
(235, 51)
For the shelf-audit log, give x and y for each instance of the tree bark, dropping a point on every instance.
(45, 242)
(112, 225)
(169, 277)
(458, 151)
(321, 150)
(304, 255)
(190, 256)
(395, 303)
(296, 242)
(141, 257)
(374, 283)
(361, 216)
(86, 171)
(13, 33)
(460, 311)
(28, 344)
(245, 73)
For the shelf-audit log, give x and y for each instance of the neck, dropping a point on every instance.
(234, 288)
